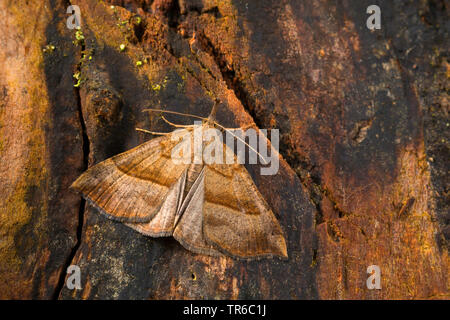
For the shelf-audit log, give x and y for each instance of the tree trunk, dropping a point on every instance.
(364, 142)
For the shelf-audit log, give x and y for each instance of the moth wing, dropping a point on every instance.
(236, 218)
(133, 186)
(189, 228)
(162, 224)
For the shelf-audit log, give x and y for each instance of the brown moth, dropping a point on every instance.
(211, 209)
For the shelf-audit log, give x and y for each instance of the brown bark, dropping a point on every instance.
(363, 120)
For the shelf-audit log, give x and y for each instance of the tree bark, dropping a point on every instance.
(364, 142)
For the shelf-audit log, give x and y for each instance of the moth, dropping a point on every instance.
(212, 209)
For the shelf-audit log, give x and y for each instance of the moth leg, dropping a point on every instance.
(244, 127)
(176, 125)
(174, 112)
(153, 132)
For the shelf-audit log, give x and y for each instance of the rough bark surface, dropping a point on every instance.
(364, 140)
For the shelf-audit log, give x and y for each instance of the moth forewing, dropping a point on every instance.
(132, 186)
(162, 225)
(241, 231)
(181, 153)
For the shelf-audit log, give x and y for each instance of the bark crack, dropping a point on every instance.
(86, 150)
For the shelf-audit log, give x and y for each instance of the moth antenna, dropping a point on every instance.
(176, 125)
(152, 132)
(259, 154)
(198, 117)
(174, 112)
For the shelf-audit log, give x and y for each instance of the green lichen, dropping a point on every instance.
(49, 48)
(165, 81)
(77, 76)
(121, 23)
(79, 37)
